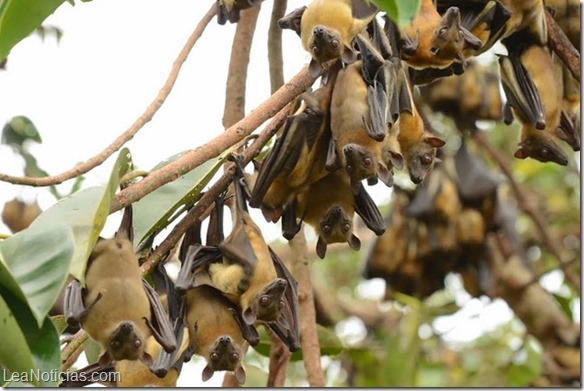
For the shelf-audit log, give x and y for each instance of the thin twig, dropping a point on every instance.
(308, 334)
(526, 206)
(279, 359)
(275, 59)
(211, 194)
(194, 158)
(561, 45)
(133, 129)
(69, 351)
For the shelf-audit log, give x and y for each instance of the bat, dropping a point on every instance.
(528, 70)
(228, 10)
(248, 273)
(298, 156)
(418, 146)
(566, 13)
(330, 213)
(569, 129)
(528, 15)
(361, 155)
(117, 308)
(434, 40)
(328, 27)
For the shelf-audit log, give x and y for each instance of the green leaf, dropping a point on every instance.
(15, 355)
(401, 12)
(85, 212)
(42, 341)
(92, 350)
(153, 212)
(19, 18)
(18, 130)
(564, 303)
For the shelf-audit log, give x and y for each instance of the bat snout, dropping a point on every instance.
(224, 339)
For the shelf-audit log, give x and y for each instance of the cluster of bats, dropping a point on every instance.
(364, 121)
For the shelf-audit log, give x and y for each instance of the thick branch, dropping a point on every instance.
(279, 359)
(133, 129)
(275, 45)
(308, 334)
(213, 192)
(238, 64)
(559, 43)
(526, 206)
(194, 158)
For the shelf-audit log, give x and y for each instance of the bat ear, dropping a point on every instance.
(146, 359)
(470, 40)
(249, 316)
(521, 154)
(434, 141)
(385, 175)
(396, 159)
(207, 373)
(321, 247)
(105, 359)
(354, 242)
(314, 68)
(240, 374)
(348, 55)
(333, 161)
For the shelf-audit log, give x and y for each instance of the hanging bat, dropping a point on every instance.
(117, 308)
(525, 72)
(569, 129)
(474, 179)
(418, 146)
(298, 155)
(246, 271)
(330, 213)
(228, 10)
(328, 27)
(434, 40)
(528, 15)
(353, 148)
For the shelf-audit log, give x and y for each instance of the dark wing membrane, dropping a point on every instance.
(249, 332)
(159, 323)
(288, 330)
(368, 211)
(521, 91)
(73, 308)
(87, 375)
(165, 361)
(474, 178)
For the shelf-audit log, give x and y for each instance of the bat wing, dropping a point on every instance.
(363, 9)
(568, 131)
(474, 178)
(238, 248)
(165, 361)
(287, 327)
(292, 20)
(290, 226)
(248, 331)
(73, 308)
(368, 211)
(520, 91)
(87, 375)
(159, 323)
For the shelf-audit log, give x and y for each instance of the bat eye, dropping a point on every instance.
(426, 159)
(137, 343)
(264, 301)
(544, 151)
(326, 228)
(115, 344)
(335, 43)
(367, 161)
(442, 31)
(234, 357)
(214, 357)
(346, 227)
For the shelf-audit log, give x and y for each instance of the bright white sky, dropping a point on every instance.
(114, 56)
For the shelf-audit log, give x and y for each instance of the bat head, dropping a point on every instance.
(225, 355)
(126, 343)
(336, 227)
(325, 44)
(360, 162)
(450, 38)
(267, 304)
(541, 147)
(421, 156)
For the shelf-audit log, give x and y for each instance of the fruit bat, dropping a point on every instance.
(228, 10)
(528, 15)
(353, 148)
(298, 155)
(246, 271)
(434, 40)
(331, 213)
(569, 129)
(117, 307)
(328, 27)
(527, 71)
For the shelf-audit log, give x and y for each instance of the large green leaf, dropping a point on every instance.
(43, 342)
(34, 265)
(85, 212)
(19, 18)
(153, 212)
(400, 11)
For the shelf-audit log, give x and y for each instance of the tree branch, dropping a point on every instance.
(526, 206)
(308, 334)
(275, 45)
(559, 43)
(211, 194)
(238, 64)
(194, 158)
(279, 359)
(148, 114)
(68, 352)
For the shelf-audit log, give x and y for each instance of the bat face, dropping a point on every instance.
(267, 304)
(360, 162)
(325, 43)
(420, 159)
(225, 355)
(125, 343)
(449, 39)
(336, 226)
(542, 148)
